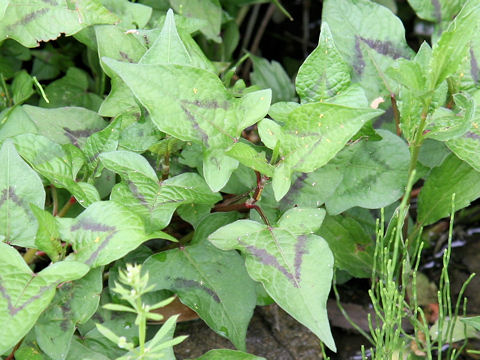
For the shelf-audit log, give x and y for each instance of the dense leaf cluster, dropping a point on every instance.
(144, 139)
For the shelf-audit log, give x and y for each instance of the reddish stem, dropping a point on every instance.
(12, 354)
(250, 203)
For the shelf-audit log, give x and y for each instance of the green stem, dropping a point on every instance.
(29, 256)
(66, 207)
(53, 191)
(40, 88)
(414, 152)
(142, 326)
(242, 13)
(166, 164)
(5, 89)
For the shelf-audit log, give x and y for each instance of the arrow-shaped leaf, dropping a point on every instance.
(20, 186)
(73, 303)
(36, 20)
(204, 111)
(311, 137)
(24, 294)
(68, 125)
(369, 174)
(324, 73)
(369, 37)
(212, 282)
(294, 266)
(57, 165)
(152, 199)
(104, 232)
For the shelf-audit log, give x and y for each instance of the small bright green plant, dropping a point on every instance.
(136, 287)
(394, 274)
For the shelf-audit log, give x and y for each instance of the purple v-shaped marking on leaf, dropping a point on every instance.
(13, 310)
(268, 259)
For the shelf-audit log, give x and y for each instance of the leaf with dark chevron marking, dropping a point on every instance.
(369, 174)
(311, 136)
(104, 232)
(369, 37)
(59, 164)
(294, 266)
(20, 186)
(436, 10)
(24, 295)
(39, 20)
(205, 112)
(212, 282)
(155, 201)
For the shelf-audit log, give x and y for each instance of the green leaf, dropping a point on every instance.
(468, 73)
(444, 124)
(374, 174)
(271, 75)
(452, 46)
(226, 354)
(80, 351)
(217, 168)
(204, 111)
(161, 344)
(29, 349)
(438, 10)
(280, 110)
(20, 186)
(370, 174)
(48, 236)
(324, 73)
(453, 176)
(142, 192)
(369, 37)
(248, 156)
(96, 341)
(296, 270)
(140, 136)
(102, 141)
(71, 90)
(69, 125)
(132, 15)
(114, 43)
(74, 303)
(312, 136)
(24, 294)
(301, 221)
(432, 153)
(352, 247)
(467, 147)
(22, 87)
(104, 232)
(176, 46)
(410, 74)
(209, 11)
(456, 330)
(473, 321)
(174, 50)
(212, 282)
(38, 20)
(52, 161)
